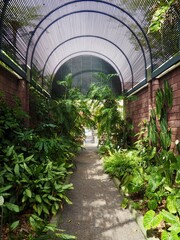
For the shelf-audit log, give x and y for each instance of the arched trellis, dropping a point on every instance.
(98, 13)
(94, 54)
(89, 36)
(90, 11)
(99, 2)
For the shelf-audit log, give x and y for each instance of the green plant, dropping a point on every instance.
(126, 166)
(171, 229)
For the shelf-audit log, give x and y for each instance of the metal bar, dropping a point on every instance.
(166, 65)
(135, 88)
(12, 65)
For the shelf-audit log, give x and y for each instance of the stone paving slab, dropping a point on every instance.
(96, 213)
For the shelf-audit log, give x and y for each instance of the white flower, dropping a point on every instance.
(177, 142)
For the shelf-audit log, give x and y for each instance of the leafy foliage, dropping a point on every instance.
(35, 162)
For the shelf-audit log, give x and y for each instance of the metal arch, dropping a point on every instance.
(104, 2)
(88, 11)
(98, 37)
(2, 20)
(82, 11)
(79, 52)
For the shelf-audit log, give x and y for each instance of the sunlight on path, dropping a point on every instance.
(96, 213)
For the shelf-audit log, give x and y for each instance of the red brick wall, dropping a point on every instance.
(11, 86)
(139, 109)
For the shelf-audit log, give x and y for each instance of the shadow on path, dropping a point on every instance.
(96, 213)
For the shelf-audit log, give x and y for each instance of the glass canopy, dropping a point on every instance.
(44, 34)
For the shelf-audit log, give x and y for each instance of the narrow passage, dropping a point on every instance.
(96, 213)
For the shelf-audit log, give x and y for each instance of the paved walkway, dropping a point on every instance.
(96, 213)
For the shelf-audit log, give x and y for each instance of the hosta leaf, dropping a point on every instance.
(13, 207)
(148, 217)
(169, 217)
(14, 225)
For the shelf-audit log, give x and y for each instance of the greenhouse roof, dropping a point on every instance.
(44, 34)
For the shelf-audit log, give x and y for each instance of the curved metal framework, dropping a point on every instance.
(88, 11)
(88, 36)
(92, 53)
(37, 36)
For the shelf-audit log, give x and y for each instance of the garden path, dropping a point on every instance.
(96, 213)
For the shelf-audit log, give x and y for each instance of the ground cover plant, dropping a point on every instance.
(35, 163)
(150, 172)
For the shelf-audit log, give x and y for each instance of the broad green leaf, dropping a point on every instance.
(29, 158)
(13, 207)
(175, 227)
(39, 209)
(156, 220)
(45, 209)
(65, 236)
(169, 217)
(3, 189)
(38, 198)
(28, 170)
(28, 193)
(14, 225)
(54, 210)
(147, 219)
(171, 204)
(9, 151)
(152, 204)
(177, 177)
(16, 170)
(165, 236)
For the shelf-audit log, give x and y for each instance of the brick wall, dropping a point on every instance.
(11, 86)
(139, 109)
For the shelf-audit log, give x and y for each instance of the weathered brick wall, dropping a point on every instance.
(11, 86)
(140, 108)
